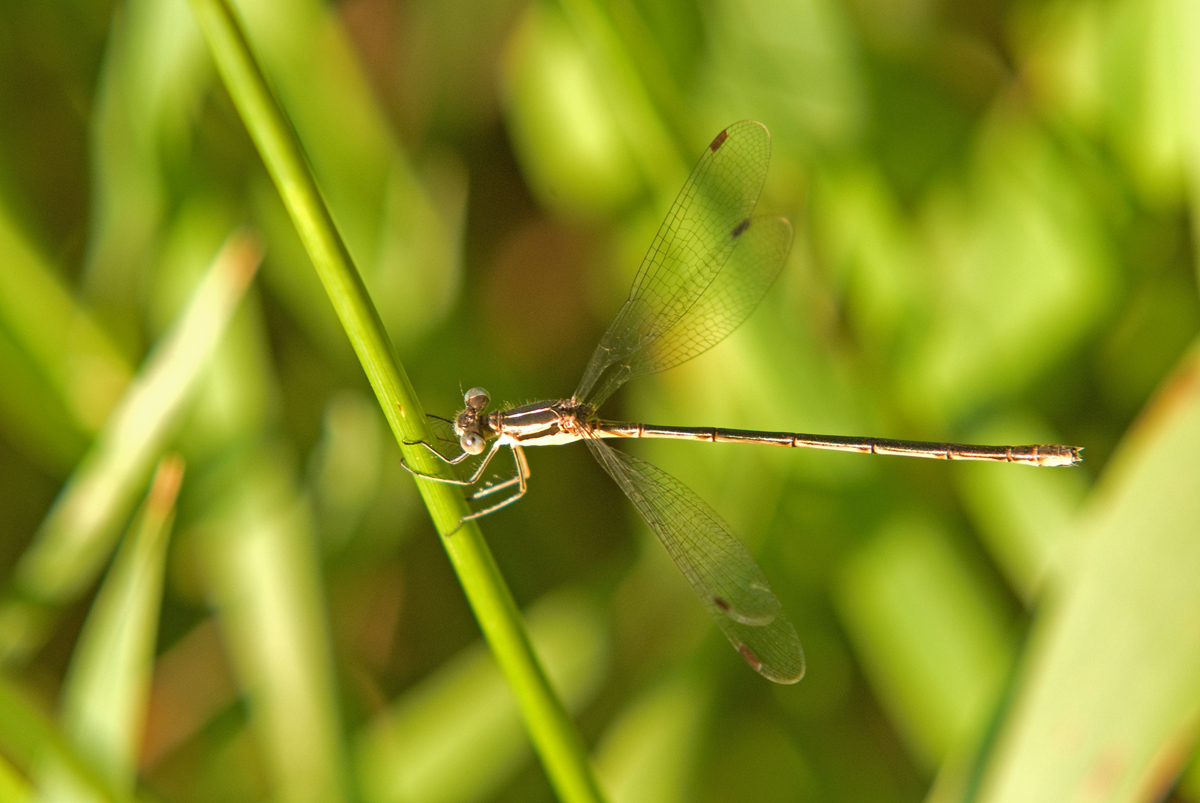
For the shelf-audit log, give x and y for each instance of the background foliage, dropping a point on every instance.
(994, 207)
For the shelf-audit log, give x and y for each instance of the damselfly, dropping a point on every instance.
(707, 269)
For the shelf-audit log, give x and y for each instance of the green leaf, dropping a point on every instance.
(932, 639)
(1108, 699)
(264, 580)
(108, 685)
(79, 532)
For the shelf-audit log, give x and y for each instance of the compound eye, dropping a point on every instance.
(477, 398)
(471, 443)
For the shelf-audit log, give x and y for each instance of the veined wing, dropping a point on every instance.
(709, 266)
(719, 568)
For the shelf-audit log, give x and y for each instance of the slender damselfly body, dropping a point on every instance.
(709, 266)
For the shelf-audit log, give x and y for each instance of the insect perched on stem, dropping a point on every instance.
(709, 266)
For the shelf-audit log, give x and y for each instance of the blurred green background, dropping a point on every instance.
(994, 213)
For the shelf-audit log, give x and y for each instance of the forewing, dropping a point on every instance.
(706, 271)
(734, 293)
(718, 567)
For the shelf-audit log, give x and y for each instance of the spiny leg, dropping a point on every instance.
(519, 479)
(453, 461)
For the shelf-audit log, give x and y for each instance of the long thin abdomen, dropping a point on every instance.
(1038, 455)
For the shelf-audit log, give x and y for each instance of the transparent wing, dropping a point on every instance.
(720, 570)
(445, 442)
(709, 266)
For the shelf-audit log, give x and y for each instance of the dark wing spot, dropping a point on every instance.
(722, 604)
(719, 141)
(740, 228)
(750, 657)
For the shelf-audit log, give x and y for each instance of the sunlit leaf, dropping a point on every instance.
(1108, 700)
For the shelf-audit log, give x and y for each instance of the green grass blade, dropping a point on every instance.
(28, 737)
(649, 749)
(265, 581)
(404, 242)
(108, 686)
(13, 786)
(78, 533)
(68, 348)
(62, 373)
(930, 633)
(33, 417)
(635, 113)
(1108, 701)
(550, 727)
